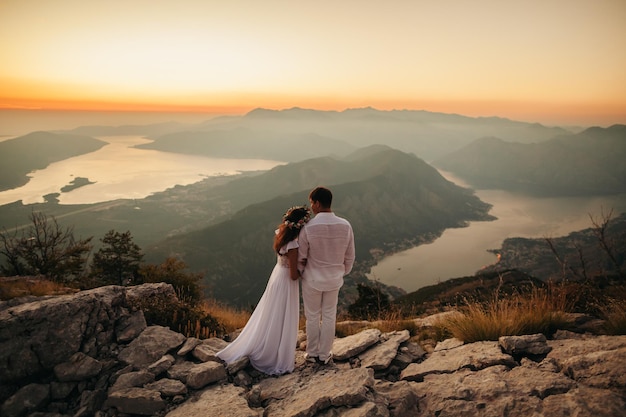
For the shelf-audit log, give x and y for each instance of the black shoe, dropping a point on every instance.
(329, 360)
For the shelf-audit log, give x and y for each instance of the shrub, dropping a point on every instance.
(180, 317)
(44, 248)
(173, 271)
(371, 304)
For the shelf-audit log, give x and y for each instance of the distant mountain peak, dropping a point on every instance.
(291, 113)
(368, 151)
(617, 129)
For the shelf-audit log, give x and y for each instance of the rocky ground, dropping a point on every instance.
(89, 354)
(518, 376)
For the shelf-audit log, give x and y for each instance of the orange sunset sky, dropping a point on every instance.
(547, 61)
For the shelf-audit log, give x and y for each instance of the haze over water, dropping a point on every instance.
(121, 171)
(463, 252)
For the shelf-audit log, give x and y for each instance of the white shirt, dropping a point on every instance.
(327, 249)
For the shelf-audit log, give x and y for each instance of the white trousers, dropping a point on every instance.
(320, 310)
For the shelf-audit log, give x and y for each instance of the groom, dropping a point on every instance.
(326, 254)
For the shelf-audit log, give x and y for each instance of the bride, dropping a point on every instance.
(270, 336)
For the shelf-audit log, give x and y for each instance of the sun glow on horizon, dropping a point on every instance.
(557, 62)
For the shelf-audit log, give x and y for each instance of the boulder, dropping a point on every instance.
(189, 345)
(162, 365)
(401, 397)
(78, 368)
(380, 356)
(132, 379)
(298, 395)
(474, 356)
(235, 367)
(151, 345)
(168, 387)
(131, 326)
(347, 347)
(526, 345)
(219, 400)
(604, 369)
(142, 401)
(204, 374)
(408, 353)
(180, 370)
(27, 399)
(37, 336)
(208, 348)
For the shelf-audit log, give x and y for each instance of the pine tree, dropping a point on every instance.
(118, 260)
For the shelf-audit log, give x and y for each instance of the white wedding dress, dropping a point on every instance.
(270, 336)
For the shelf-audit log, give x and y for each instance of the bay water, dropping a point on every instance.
(464, 251)
(118, 170)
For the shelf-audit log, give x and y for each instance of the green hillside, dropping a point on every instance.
(394, 200)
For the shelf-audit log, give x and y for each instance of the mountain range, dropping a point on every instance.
(587, 163)
(296, 134)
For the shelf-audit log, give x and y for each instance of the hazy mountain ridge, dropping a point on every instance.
(37, 150)
(587, 163)
(124, 130)
(393, 200)
(427, 134)
(242, 142)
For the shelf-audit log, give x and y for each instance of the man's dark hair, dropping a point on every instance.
(322, 195)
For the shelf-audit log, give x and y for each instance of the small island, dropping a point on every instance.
(76, 183)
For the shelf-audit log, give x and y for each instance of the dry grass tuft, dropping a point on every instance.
(231, 318)
(394, 320)
(540, 311)
(24, 286)
(348, 328)
(389, 321)
(614, 315)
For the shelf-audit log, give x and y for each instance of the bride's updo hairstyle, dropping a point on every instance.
(288, 230)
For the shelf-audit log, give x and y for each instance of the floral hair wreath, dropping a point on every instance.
(297, 225)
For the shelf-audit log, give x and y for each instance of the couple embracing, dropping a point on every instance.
(320, 251)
